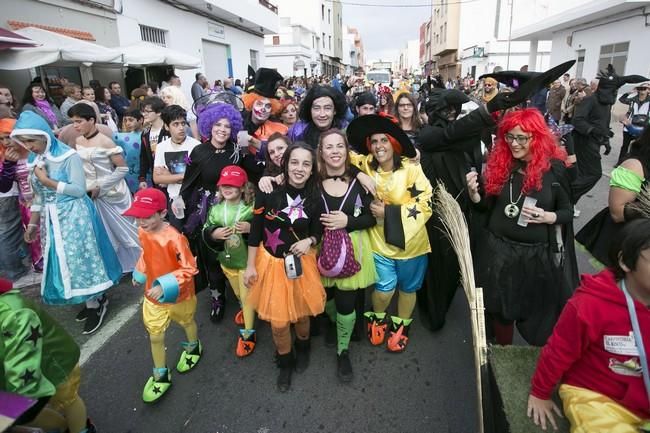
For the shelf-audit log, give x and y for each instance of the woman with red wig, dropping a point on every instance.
(519, 262)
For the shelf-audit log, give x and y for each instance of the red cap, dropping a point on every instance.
(5, 285)
(233, 175)
(147, 202)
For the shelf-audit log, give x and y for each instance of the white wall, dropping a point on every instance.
(185, 32)
(632, 30)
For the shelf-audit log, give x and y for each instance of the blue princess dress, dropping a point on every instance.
(80, 262)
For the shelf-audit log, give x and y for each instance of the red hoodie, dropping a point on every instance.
(591, 342)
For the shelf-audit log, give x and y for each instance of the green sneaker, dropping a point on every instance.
(153, 389)
(189, 360)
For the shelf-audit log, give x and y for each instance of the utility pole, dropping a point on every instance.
(512, 2)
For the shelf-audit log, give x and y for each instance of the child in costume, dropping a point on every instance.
(167, 268)
(39, 359)
(599, 347)
(402, 206)
(227, 221)
(281, 272)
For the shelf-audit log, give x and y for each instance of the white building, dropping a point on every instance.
(409, 58)
(225, 35)
(595, 34)
(323, 21)
(350, 52)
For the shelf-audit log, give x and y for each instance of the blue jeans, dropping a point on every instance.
(13, 249)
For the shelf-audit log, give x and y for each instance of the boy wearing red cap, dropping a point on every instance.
(227, 223)
(167, 268)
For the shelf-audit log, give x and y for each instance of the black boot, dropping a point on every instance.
(344, 367)
(303, 347)
(286, 364)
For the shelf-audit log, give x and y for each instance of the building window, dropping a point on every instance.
(313, 41)
(329, 16)
(153, 35)
(323, 40)
(614, 54)
(276, 40)
(253, 61)
(330, 42)
(322, 12)
(444, 32)
(580, 62)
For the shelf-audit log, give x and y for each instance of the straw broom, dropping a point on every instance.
(455, 225)
(643, 202)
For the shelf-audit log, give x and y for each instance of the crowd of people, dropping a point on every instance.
(312, 202)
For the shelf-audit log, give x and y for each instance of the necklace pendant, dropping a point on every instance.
(511, 210)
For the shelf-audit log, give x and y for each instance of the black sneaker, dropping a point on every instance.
(344, 367)
(217, 308)
(82, 315)
(95, 317)
(331, 335)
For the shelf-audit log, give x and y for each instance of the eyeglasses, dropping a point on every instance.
(520, 139)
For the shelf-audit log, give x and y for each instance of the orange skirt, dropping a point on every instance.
(277, 298)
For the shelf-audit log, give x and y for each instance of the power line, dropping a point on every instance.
(420, 5)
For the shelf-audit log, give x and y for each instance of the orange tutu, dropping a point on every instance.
(279, 299)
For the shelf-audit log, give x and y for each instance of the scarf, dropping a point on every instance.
(46, 108)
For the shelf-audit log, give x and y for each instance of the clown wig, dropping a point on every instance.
(543, 148)
(250, 98)
(215, 112)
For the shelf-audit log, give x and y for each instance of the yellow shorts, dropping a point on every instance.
(67, 392)
(592, 412)
(156, 317)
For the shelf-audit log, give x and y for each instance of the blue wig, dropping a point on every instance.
(215, 112)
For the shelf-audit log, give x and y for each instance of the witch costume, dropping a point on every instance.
(80, 261)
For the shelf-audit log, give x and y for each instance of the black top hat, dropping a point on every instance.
(363, 127)
(266, 82)
(516, 79)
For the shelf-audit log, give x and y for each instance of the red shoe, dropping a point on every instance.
(245, 347)
(397, 340)
(239, 318)
(377, 332)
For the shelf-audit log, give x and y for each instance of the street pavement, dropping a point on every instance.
(429, 388)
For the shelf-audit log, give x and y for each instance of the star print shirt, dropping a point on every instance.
(36, 353)
(406, 194)
(284, 217)
(167, 261)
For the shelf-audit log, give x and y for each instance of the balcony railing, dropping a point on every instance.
(273, 8)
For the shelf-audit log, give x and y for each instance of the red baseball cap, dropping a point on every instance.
(147, 202)
(233, 175)
(5, 285)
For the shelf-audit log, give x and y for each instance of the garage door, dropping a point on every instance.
(215, 59)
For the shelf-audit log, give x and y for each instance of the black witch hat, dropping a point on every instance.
(516, 79)
(266, 82)
(364, 126)
(609, 82)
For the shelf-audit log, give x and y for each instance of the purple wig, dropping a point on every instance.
(215, 112)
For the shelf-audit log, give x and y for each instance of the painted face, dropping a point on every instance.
(262, 109)
(519, 142)
(323, 112)
(131, 124)
(366, 109)
(38, 93)
(36, 146)
(230, 192)
(405, 108)
(221, 131)
(289, 115)
(107, 95)
(300, 167)
(176, 129)
(381, 149)
(88, 95)
(276, 150)
(82, 126)
(333, 151)
(153, 223)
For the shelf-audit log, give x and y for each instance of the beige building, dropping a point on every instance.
(445, 25)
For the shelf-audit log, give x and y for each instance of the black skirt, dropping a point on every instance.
(597, 235)
(521, 282)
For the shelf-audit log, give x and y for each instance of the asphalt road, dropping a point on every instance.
(429, 388)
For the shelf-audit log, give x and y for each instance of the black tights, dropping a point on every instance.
(343, 299)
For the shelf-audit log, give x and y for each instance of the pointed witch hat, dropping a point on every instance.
(517, 79)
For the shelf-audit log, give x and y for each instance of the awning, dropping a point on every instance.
(53, 48)
(10, 39)
(146, 53)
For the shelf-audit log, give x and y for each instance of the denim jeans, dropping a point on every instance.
(13, 249)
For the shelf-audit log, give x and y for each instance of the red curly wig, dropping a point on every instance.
(543, 148)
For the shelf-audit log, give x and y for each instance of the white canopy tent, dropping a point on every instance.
(55, 47)
(147, 54)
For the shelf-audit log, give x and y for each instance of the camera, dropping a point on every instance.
(292, 266)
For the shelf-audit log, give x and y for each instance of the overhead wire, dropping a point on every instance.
(400, 5)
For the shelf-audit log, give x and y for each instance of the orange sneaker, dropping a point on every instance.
(377, 332)
(245, 346)
(239, 318)
(397, 340)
